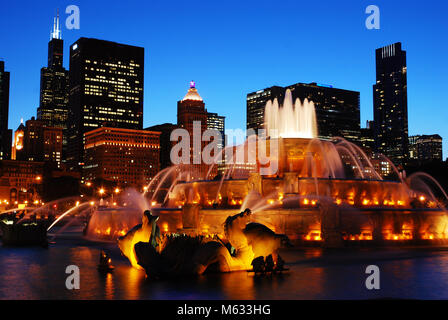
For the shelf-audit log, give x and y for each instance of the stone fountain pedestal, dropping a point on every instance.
(190, 219)
(331, 227)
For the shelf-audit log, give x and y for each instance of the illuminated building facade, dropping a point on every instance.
(189, 110)
(126, 156)
(413, 155)
(256, 103)
(34, 141)
(367, 138)
(382, 166)
(217, 122)
(337, 110)
(425, 148)
(18, 143)
(5, 133)
(53, 106)
(20, 181)
(106, 89)
(390, 103)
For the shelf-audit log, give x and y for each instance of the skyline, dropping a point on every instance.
(174, 55)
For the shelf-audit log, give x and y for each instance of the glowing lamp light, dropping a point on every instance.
(101, 191)
(117, 190)
(422, 198)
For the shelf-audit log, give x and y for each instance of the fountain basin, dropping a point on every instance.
(311, 226)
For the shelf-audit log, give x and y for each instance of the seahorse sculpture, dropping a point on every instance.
(175, 254)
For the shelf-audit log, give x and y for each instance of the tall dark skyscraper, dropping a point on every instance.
(390, 103)
(53, 105)
(337, 110)
(5, 133)
(106, 89)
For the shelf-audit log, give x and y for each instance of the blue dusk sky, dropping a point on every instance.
(234, 47)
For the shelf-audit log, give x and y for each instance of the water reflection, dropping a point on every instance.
(34, 273)
(109, 287)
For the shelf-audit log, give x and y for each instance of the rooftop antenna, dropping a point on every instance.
(56, 33)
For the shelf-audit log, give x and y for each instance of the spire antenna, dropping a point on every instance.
(56, 33)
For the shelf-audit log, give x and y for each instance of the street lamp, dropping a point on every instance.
(101, 192)
(117, 191)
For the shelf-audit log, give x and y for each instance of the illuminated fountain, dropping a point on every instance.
(322, 191)
(109, 221)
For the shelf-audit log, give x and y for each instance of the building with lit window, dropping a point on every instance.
(390, 103)
(425, 148)
(382, 166)
(125, 156)
(190, 110)
(34, 141)
(367, 138)
(256, 103)
(413, 155)
(217, 122)
(53, 105)
(20, 181)
(5, 133)
(106, 89)
(17, 146)
(337, 110)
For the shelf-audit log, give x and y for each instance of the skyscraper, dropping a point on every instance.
(5, 133)
(106, 89)
(53, 105)
(54, 83)
(337, 110)
(390, 103)
(189, 110)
